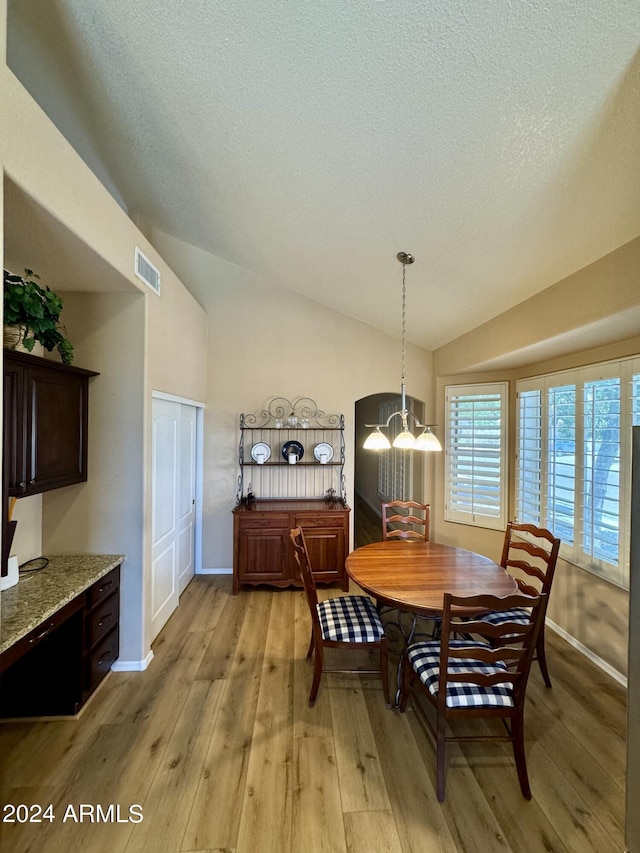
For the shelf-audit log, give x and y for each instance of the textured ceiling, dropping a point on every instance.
(309, 142)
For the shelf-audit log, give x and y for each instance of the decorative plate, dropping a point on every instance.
(323, 452)
(260, 452)
(292, 447)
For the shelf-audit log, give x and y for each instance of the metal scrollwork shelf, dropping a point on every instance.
(317, 472)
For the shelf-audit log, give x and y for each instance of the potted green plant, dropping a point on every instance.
(35, 310)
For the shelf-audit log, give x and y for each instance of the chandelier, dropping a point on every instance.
(405, 440)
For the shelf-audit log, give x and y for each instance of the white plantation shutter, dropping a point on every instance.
(528, 457)
(574, 461)
(560, 426)
(476, 459)
(601, 470)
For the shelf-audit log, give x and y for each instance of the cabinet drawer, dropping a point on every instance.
(103, 588)
(100, 661)
(319, 520)
(252, 521)
(102, 620)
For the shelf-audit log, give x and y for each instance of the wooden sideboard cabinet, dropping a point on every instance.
(262, 548)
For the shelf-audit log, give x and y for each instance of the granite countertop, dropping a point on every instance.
(38, 595)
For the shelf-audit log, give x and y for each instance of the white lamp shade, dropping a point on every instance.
(427, 441)
(376, 441)
(405, 440)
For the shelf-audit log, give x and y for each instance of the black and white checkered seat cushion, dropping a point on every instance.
(350, 619)
(425, 659)
(498, 617)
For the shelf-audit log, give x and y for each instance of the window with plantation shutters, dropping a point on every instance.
(574, 461)
(475, 454)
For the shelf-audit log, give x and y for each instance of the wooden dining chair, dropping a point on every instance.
(406, 520)
(467, 677)
(348, 621)
(532, 565)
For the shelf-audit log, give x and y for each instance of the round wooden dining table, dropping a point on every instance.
(414, 575)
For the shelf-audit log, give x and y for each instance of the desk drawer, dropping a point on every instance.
(102, 620)
(100, 660)
(103, 588)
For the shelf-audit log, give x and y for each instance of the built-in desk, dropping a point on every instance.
(59, 635)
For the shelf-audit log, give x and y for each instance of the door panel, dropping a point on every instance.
(263, 553)
(174, 510)
(164, 586)
(326, 549)
(186, 495)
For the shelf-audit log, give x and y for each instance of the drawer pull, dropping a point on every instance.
(106, 618)
(105, 657)
(41, 634)
(105, 586)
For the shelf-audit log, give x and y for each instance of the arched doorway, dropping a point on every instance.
(389, 475)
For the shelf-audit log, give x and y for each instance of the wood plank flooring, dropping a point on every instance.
(216, 743)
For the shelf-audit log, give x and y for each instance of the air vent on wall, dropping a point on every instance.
(146, 272)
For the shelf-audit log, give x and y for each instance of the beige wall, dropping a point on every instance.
(105, 514)
(606, 294)
(265, 342)
(596, 305)
(137, 341)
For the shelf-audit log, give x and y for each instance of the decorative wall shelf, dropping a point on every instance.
(317, 471)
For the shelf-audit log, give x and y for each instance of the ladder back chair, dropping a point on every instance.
(348, 621)
(532, 565)
(419, 518)
(464, 677)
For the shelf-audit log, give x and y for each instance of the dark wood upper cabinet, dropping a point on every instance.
(45, 423)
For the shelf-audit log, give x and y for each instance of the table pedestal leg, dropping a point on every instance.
(402, 636)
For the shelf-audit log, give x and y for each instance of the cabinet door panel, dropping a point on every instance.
(55, 429)
(13, 458)
(326, 551)
(263, 555)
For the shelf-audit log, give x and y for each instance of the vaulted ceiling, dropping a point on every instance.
(309, 142)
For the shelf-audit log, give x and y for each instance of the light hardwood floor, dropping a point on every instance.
(216, 743)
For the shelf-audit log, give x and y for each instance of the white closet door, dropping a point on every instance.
(186, 508)
(173, 515)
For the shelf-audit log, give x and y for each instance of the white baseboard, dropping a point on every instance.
(132, 665)
(214, 572)
(606, 667)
